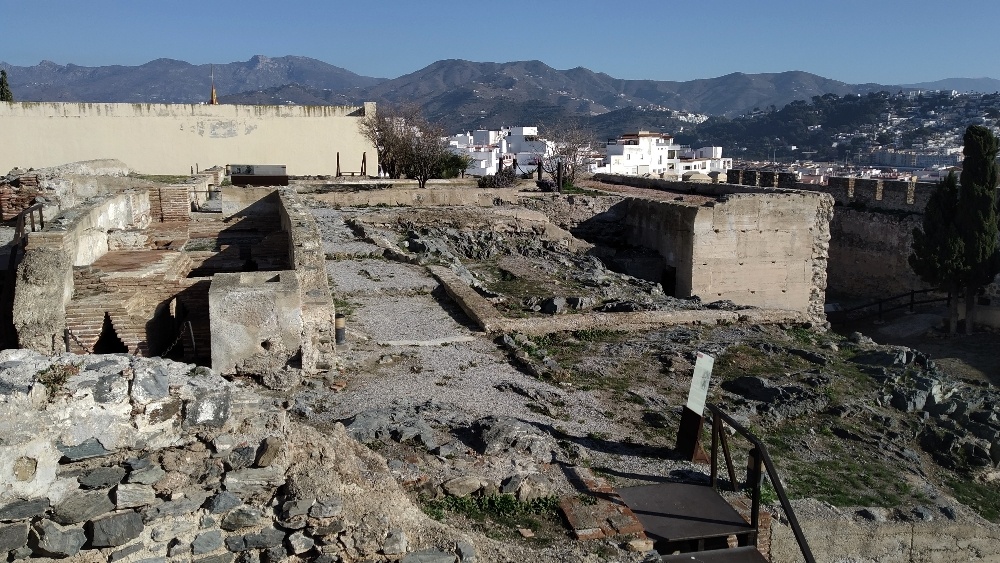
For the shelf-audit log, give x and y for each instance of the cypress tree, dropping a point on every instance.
(977, 213)
(957, 247)
(938, 250)
(5, 94)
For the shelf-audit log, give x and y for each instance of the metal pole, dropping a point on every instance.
(340, 328)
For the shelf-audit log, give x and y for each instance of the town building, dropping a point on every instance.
(655, 154)
(509, 145)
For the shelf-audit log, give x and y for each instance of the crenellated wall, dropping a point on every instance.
(871, 232)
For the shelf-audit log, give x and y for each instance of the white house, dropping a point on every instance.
(655, 154)
(509, 144)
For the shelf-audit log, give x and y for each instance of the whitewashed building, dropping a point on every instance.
(508, 145)
(655, 154)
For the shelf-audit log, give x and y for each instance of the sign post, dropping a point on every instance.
(689, 433)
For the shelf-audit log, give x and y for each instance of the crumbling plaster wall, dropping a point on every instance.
(44, 283)
(172, 138)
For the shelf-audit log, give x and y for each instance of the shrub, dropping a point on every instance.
(503, 179)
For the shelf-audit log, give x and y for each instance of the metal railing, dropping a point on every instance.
(758, 457)
(882, 305)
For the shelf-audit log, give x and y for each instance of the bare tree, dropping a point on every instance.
(389, 130)
(427, 150)
(571, 144)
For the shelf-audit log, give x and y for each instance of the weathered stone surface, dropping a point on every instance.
(246, 483)
(13, 536)
(268, 451)
(111, 388)
(102, 477)
(81, 506)
(430, 556)
(192, 500)
(533, 486)
(220, 558)
(126, 552)
(241, 458)
(206, 542)
(395, 542)
(222, 502)
(268, 537)
(133, 496)
(300, 543)
(466, 552)
(25, 468)
(149, 384)
(24, 509)
(146, 475)
(462, 486)
(114, 530)
(89, 448)
(327, 507)
(241, 517)
(500, 435)
(49, 538)
(210, 408)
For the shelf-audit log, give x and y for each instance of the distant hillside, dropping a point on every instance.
(171, 81)
(985, 85)
(462, 95)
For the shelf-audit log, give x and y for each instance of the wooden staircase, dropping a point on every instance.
(696, 522)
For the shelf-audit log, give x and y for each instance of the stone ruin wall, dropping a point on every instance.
(55, 289)
(765, 247)
(871, 230)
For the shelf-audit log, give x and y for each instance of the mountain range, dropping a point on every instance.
(460, 94)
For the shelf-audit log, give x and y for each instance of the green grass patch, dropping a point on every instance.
(848, 481)
(343, 306)
(984, 498)
(502, 509)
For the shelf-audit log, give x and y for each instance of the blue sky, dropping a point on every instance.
(885, 41)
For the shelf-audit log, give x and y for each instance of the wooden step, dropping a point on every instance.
(746, 554)
(682, 512)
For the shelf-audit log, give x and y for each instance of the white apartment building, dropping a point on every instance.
(509, 144)
(655, 154)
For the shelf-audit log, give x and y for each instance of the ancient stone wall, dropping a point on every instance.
(871, 233)
(760, 246)
(838, 535)
(175, 138)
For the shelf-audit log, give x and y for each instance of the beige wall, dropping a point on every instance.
(172, 138)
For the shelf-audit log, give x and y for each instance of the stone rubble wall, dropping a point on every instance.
(123, 459)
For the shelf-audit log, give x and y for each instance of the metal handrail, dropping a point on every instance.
(758, 455)
(912, 302)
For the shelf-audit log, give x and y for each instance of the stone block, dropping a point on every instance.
(150, 383)
(14, 536)
(395, 543)
(241, 517)
(210, 408)
(87, 449)
(246, 483)
(133, 495)
(300, 543)
(20, 509)
(268, 451)
(114, 530)
(53, 540)
(102, 477)
(125, 552)
(207, 542)
(81, 506)
(222, 502)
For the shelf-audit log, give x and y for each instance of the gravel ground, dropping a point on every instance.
(462, 381)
